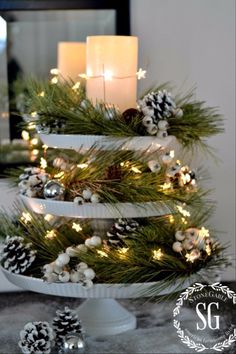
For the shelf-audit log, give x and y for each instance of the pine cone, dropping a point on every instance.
(36, 337)
(66, 322)
(32, 181)
(16, 255)
(158, 105)
(121, 229)
(114, 172)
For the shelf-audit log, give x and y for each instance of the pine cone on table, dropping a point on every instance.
(66, 322)
(36, 337)
(17, 256)
(121, 230)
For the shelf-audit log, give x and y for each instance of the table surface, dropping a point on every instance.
(154, 333)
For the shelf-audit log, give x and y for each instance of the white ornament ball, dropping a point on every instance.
(81, 266)
(95, 198)
(187, 244)
(89, 273)
(167, 158)
(192, 233)
(75, 276)
(179, 113)
(78, 200)
(147, 121)
(163, 125)
(34, 180)
(154, 166)
(82, 248)
(177, 247)
(72, 251)
(179, 235)
(87, 284)
(64, 276)
(87, 194)
(63, 258)
(95, 241)
(161, 134)
(50, 277)
(152, 129)
(48, 268)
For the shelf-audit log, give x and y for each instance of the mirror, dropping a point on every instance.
(29, 38)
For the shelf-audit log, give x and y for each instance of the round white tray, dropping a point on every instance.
(111, 291)
(77, 142)
(97, 210)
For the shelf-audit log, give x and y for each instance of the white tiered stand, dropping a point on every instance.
(101, 314)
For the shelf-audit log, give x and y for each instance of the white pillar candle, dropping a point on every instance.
(111, 69)
(71, 59)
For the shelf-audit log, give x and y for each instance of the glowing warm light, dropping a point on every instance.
(41, 94)
(184, 221)
(76, 227)
(157, 254)
(35, 152)
(31, 126)
(204, 232)
(183, 211)
(33, 114)
(107, 75)
(123, 252)
(166, 186)
(171, 219)
(82, 165)
(208, 250)
(59, 175)
(45, 147)
(48, 217)
(25, 135)
(26, 217)
(113, 78)
(54, 80)
(83, 76)
(43, 163)
(136, 170)
(34, 141)
(102, 253)
(141, 74)
(50, 234)
(76, 86)
(54, 71)
(189, 257)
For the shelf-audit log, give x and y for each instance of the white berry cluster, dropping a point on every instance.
(32, 181)
(157, 107)
(60, 271)
(192, 241)
(176, 174)
(87, 196)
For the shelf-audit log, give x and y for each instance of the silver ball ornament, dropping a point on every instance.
(54, 190)
(74, 343)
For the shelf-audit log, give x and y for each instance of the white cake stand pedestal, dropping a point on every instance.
(101, 314)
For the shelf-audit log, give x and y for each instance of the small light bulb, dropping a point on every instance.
(25, 135)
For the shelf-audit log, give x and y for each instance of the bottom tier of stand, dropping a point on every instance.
(100, 313)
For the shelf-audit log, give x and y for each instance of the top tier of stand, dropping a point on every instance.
(86, 142)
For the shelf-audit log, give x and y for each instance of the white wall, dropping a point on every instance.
(193, 42)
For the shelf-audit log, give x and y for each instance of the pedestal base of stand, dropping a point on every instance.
(101, 317)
